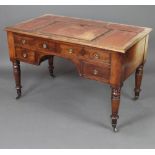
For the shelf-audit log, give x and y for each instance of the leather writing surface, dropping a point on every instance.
(100, 34)
(74, 30)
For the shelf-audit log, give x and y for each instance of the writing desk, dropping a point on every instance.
(102, 51)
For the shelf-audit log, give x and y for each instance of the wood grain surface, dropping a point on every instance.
(99, 34)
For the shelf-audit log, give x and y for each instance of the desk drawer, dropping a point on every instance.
(69, 51)
(46, 45)
(96, 55)
(24, 41)
(34, 43)
(99, 72)
(25, 55)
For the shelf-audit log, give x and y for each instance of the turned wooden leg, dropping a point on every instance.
(17, 75)
(138, 80)
(51, 66)
(115, 101)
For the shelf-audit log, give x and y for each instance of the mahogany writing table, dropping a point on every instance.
(102, 51)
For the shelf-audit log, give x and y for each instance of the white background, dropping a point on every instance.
(77, 2)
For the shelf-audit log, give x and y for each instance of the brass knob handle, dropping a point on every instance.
(95, 72)
(70, 50)
(96, 56)
(44, 45)
(23, 41)
(24, 55)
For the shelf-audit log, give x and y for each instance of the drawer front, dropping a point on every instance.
(34, 43)
(69, 51)
(100, 72)
(46, 45)
(96, 55)
(25, 55)
(24, 41)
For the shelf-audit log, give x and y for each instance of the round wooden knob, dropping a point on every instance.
(24, 55)
(95, 72)
(45, 46)
(23, 41)
(70, 50)
(96, 56)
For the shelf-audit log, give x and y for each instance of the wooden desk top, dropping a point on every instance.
(99, 34)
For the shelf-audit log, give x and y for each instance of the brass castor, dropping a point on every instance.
(137, 92)
(114, 122)
(52, 75)
(115, 129)
(18, 94)
(136, 97)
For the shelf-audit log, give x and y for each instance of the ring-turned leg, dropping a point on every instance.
(17, 75)
(51, 66)
(138, 80)
(115, 101)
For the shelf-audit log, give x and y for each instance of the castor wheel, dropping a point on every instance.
(136, 97)
(18, 94)
(137, 92)
(115, 129)
(53, 76)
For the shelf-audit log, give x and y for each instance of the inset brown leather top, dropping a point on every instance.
(100, 34)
